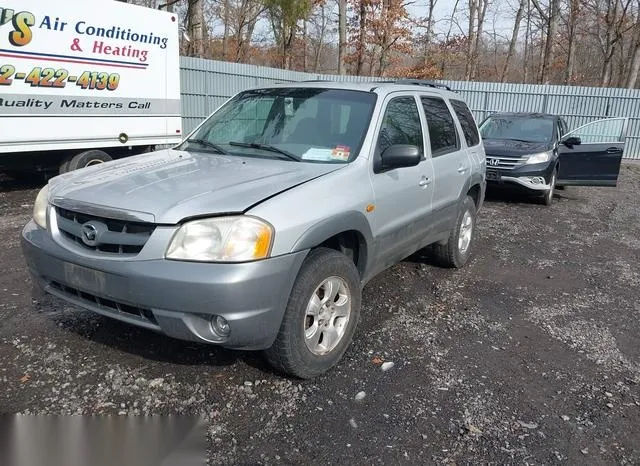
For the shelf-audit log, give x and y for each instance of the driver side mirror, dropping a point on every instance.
(572, 141)
(400, 155)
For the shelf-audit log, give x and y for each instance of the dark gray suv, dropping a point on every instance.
(537, 152)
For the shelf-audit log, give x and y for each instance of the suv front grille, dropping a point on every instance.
(103, 303)
(103, 234)
(504, 162)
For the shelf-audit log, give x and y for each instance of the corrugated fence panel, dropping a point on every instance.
(207, 84)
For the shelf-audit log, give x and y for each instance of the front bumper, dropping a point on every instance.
(173, 297)
(535, 177)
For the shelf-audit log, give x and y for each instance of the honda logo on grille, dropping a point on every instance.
(493, 162)
(91, 232)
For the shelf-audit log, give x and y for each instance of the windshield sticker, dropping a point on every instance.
(322, 155)
(341, 153)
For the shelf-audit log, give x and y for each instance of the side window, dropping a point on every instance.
(467, 122)
(401, 124)
(601, 131)
(563, 127)
(442, 130)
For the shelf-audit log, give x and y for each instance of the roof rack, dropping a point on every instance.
(422, 82)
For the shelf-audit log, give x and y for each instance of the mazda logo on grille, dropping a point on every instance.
(493, 162)
(91, 233)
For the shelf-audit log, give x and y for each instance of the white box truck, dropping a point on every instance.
(82, 82)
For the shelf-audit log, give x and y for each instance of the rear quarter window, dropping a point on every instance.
(467, 122)
(442, 129)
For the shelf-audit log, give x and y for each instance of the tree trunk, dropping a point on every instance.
(304, 45)
(225, 36)
(634, 67)
(342, 35)
(361, 38)
(527, 34)
(574, 11)
(447, 37)
(288, 34)
(549, 49)
(482, 10)
(471, 39)
(514, 40)
(316, 60)
(427, 39)
(606, 71)
(195, 20)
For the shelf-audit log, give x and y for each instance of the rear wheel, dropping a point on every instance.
(321, 316)
(84, 159)
(456, 251)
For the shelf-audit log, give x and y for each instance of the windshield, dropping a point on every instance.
(295, 124)
(527, 129)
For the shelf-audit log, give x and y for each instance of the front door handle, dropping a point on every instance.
(462, 169)
(614, 150)
(424, 182)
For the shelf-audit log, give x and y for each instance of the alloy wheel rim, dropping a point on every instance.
(551, 187)
(327, 315)
(466, 230)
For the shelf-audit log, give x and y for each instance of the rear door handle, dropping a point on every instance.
(614, 150)
(462, 169)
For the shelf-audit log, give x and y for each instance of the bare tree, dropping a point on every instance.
(514, 39)
(634, 65)
(572, 33)
(342, 35)
(196, 28)
(551, 16)
(477, 11)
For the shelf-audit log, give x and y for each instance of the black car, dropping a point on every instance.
(537, 152)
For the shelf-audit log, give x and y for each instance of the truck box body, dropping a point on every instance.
(78, 75)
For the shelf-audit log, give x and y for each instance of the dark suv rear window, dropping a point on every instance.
(467, 122)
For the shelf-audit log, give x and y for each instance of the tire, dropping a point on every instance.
(547, 198)
(456, 251)
(300, 351)
(64, 166)
(86, 159)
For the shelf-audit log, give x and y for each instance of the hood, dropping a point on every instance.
(169, 185)
(509, 147)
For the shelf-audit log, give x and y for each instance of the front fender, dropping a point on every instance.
(334, 225)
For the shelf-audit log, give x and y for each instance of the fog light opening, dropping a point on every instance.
(537, 180)
(220, 326)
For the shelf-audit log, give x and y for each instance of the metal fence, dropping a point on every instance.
(206, 84)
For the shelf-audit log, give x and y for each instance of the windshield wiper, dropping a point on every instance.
(519, 140)
(209, 144)
(267, 147)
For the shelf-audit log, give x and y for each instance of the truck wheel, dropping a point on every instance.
(86, 159)
(321, 316)
(456, 251)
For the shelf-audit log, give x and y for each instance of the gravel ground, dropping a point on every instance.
(531, 354)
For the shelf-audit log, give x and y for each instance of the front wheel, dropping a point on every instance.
(321, 316)
(456, 251)
(547, 199)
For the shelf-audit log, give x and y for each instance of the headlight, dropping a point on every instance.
(539, 158)
(223, 239)
(40, 207)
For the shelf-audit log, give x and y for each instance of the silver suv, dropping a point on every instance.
(259, 231)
